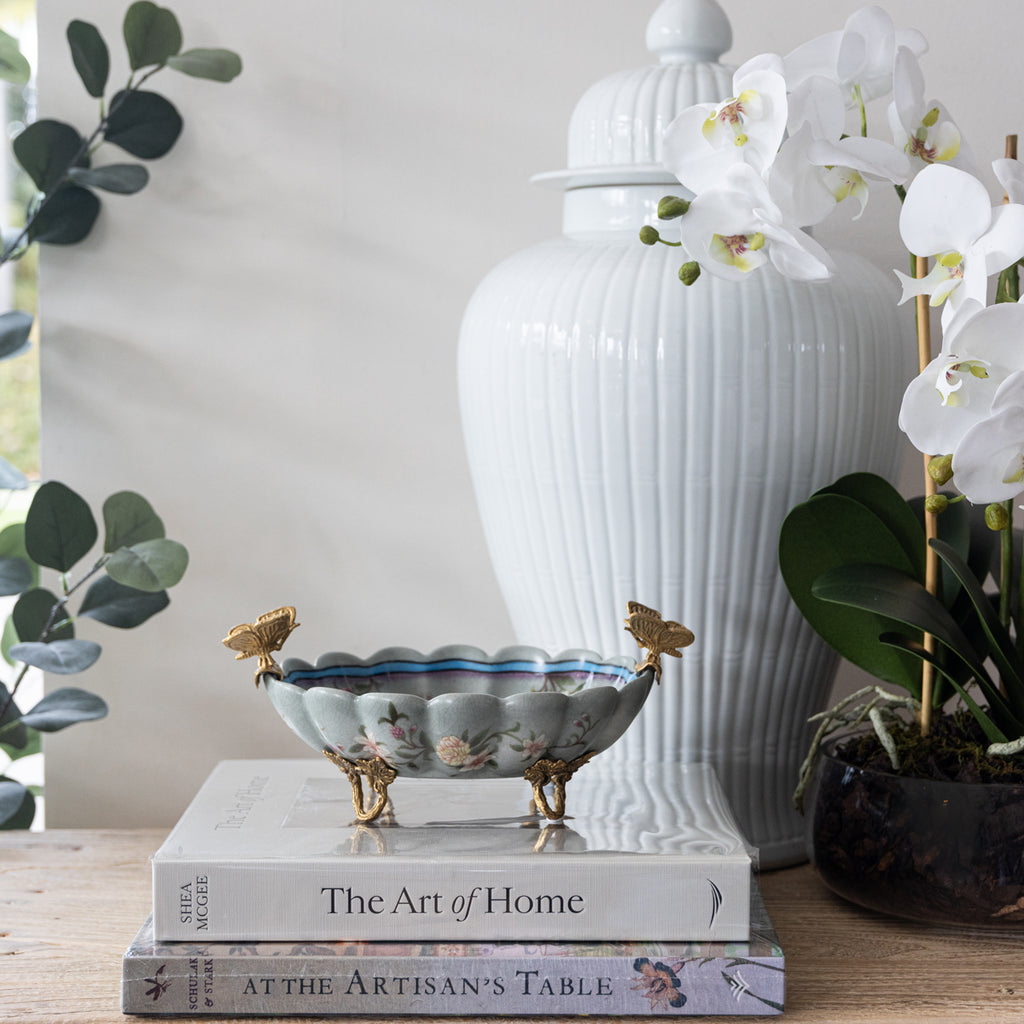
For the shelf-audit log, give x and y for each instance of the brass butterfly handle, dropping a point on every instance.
(260, 639)
(657, 635)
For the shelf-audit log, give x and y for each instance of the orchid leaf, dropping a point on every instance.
(66, 217)
(64, 707)
(125, 179)
(831, 530)
(879, 496)
(59, 527)
(1000, 643)
(213, 65)
(151, 34)
(90, 56)
(62, 657)
(898, 598)
(984, 720)
(143, 124)
(15, 328)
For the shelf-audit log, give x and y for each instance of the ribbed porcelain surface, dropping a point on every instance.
(634, 439)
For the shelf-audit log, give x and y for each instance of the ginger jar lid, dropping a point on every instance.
(616, 129)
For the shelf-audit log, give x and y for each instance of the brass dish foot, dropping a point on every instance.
(557, 772)
(379, 774)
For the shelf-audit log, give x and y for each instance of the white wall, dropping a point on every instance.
(263, 342)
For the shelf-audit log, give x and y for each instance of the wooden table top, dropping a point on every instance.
(71, 901)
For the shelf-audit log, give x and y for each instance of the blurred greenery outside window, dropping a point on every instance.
(19, 378)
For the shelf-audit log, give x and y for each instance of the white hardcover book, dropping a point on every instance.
(268, 850)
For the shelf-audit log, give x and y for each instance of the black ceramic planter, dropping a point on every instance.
(939, 852)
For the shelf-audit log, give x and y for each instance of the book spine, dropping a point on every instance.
(419, 901)
(176, 983)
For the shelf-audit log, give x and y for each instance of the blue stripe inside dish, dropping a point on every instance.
(458, 664)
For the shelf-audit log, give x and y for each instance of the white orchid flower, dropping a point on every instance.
(923, 128)
(988, 464)
(981, 348)
(948, 214)
(1010, 174)
(859, 58)
(818, 166)
(705, 140)
(735, 228)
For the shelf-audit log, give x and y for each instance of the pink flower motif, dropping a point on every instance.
(371, 744)
(452, 751)
(398, 732)
(477, 760)
(535, 747)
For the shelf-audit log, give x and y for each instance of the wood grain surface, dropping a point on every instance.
(71, 901)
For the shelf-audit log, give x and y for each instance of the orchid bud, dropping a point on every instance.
(936, 503)
(689, 272)
(671, 207)
(940, 469)
(996, 516)
(649, 235)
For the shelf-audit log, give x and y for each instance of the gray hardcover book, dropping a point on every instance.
(450, 979)
(268, 850)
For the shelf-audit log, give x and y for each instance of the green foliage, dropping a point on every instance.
(13, 66)
(852, 558)
(124, 585)
(127, 582)
(58, 158)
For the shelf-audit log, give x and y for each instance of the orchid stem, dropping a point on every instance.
(931, 572)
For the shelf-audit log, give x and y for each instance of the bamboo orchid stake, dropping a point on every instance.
(931, 572)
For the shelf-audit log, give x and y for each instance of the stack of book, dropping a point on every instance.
(461, 900)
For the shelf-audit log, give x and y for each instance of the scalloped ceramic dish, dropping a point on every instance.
(456, 712)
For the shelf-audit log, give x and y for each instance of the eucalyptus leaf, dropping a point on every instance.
(15, 576)
(151, 34)
(59, 528)
(214, 65)
(151, 566)
(46, 149)
(12, 545)
(12, 728)
(37, 611)
(114, 604)
(14, 68)
(62, 657)
(17, 805)
(64, 707)
(143, 124)
(15, 328)
(125, 179)
(33, 745)
(830, 530)
(8, 639)
(90, 56)
(128, 519)
(11, 478)
(66, 216)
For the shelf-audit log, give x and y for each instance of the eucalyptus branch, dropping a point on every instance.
(87, 148)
